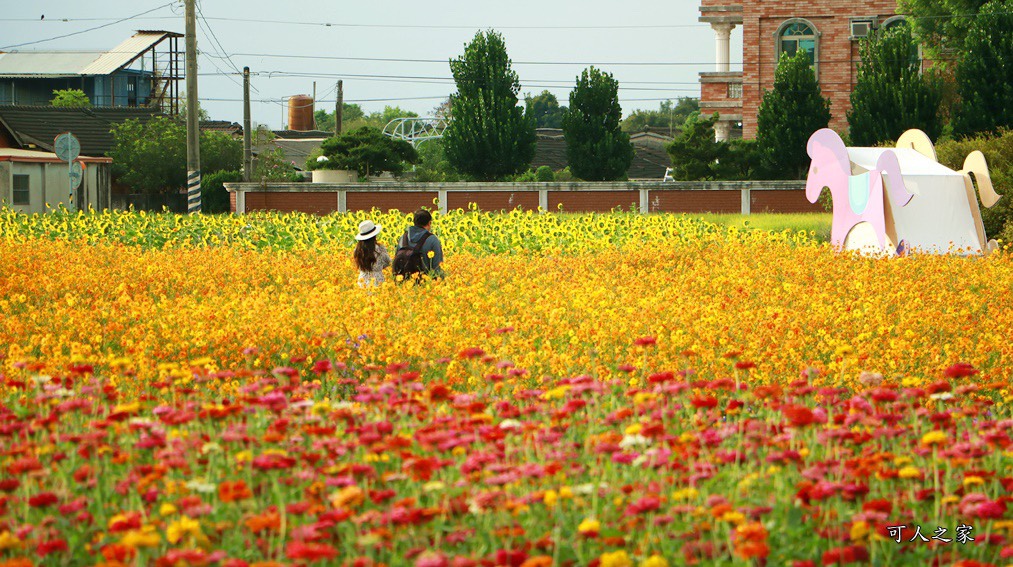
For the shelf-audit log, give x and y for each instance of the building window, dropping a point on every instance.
(734, 90)
(22, 190)
(798, 34)
(915, 56)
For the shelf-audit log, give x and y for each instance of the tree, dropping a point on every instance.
(490, 136)
(695, 153)
(596, 147)
(151, 157)
(891, 94)
(545, 109)
(367, 151)
(788, 115)
(941, 24)
(70, 98)
(669, 115)
(985, 72)
(350, 113)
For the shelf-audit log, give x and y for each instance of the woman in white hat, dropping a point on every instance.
(369, 256)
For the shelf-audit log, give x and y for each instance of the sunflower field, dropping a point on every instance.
(610, 390)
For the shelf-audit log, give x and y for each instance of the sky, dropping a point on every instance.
(288, 45)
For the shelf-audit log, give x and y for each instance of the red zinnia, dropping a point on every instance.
(646, 341)
(960, 370)
(845, 555)
(310, 551)
(798, 416)
(42, 500)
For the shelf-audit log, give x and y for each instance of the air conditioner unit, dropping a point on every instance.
(862, 27)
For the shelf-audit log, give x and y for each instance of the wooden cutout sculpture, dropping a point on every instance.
(932, 208)
(856, 198)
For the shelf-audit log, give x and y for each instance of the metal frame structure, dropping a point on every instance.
(416, 131)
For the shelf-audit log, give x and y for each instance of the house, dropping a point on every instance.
(34, 181)
(828, 32)
(295, 146)
(35, 127)
(144, 70)
(650, 159)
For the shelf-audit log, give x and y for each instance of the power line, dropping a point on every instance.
(135, 16)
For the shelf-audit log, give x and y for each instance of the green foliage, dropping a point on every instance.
(151, 157)
(545, 109)
(695, 153)
(433, 165)
(351, 114)
(490, 136)
(214, 197)
(741, 162)
(70, 98)
(544, 174)
(366, 151)
(528, 176)
(998, 150)
(940, 24)
(669, 115)
(985, 71)
(596, 147)
(564, 175)
(892, 95)
(788, 115)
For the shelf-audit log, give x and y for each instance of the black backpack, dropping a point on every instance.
(408, 260)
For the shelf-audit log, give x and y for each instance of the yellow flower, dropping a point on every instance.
(566, 492)
(615, 559)
(844, 350)
(9, 541)
(934, 438)
(430, 254)
(181, 528)
(909, 472)
(550, 498)
(688, 493)
(589, 526)
(147, 536)
(973, 481)
(634, 429)
(654, 561)
(733, 517)
(166, 509)
(859, 530)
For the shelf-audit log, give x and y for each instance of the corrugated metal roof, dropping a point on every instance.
(45, 64)
(124, 53)
(40, 64)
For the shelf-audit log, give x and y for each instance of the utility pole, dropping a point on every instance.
(247, 135)
(193, 191)
(313, 109)
(339, 108)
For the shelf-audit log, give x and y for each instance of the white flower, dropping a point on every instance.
(633, 441)
(510, 424)
(198, 485)
(941, 396)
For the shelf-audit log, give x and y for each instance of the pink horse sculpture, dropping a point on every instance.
(856, 198)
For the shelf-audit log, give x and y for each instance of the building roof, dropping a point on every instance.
(227, 126)
(55, 64)
(302, 134)
(39, 125)
(34, 156)
(295, 151)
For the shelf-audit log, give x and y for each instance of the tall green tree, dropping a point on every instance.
(70, 98)
(789, 113)
(597, 149)
(941, 24)
(545, 109)
(985, 71)
(695, 153)
(891, 94)
(151, 157)
(490, 136)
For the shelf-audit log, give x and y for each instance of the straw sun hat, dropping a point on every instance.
(368, 229)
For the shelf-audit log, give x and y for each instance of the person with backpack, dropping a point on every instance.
(369, 256)
(419, 251)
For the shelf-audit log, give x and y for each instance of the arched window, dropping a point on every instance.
(896, 21)
(798, 34)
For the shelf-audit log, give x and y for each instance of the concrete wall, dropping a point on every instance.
(646, 197)
(49, 186)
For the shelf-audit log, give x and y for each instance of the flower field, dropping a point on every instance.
(614, 390)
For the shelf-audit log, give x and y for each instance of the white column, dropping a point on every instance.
(240, 201)
(442, 196)
(722, 130)
(723, 34)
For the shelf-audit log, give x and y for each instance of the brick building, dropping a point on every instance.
(829, 31)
